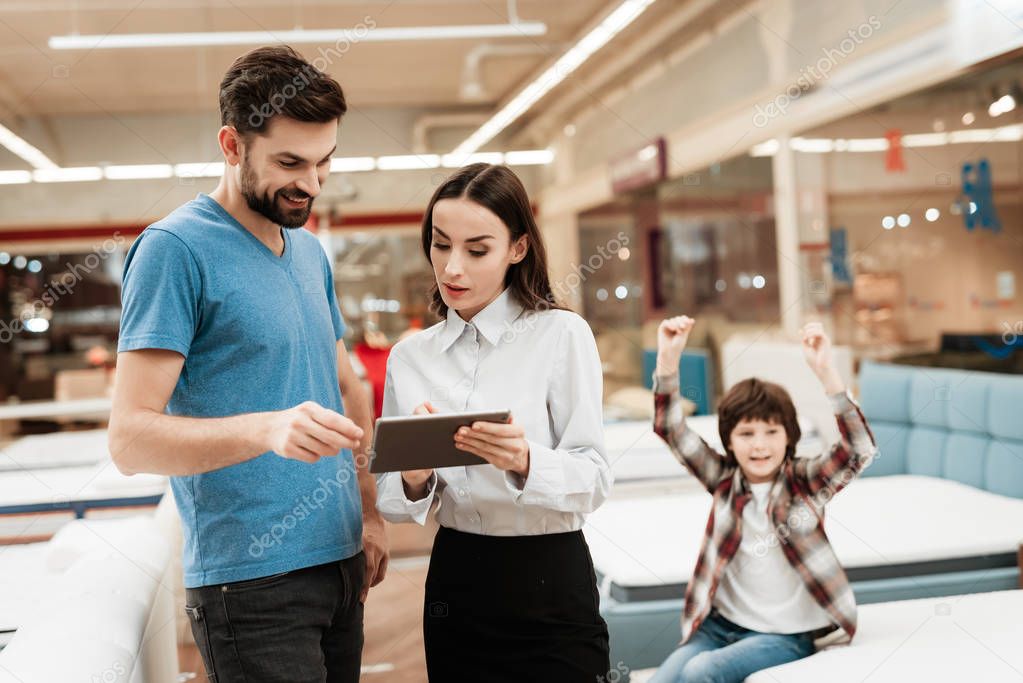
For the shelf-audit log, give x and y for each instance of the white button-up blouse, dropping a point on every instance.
(544, 367)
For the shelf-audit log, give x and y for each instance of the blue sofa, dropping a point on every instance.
(954, 424)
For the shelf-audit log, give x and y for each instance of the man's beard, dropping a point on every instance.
(270, 207)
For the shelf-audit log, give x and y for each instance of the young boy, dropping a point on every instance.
(767, 588)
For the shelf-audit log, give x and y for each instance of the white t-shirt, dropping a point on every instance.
(760, 590)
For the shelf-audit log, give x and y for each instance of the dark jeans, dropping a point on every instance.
(303, 626)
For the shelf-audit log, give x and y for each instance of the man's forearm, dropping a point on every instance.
(358, 410)
(156, 443)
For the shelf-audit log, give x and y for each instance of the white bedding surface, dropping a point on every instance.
(655, 540)
(98, 481)
(960, 638)
(637, 454)
(23, 572)
(59, 449)
(29, 571)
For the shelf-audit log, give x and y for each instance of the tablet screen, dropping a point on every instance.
(421, 442)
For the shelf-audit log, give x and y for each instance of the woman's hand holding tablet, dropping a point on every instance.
(425, 440)
(502, 445)
(415, 480)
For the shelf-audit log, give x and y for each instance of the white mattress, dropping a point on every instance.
(100, 481)
(23, 573)
(60, 449)
(876, 521)
(637, 453)
(28, 572)
(960, 638)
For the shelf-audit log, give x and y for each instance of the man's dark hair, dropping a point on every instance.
(271, 81)
(755, 399)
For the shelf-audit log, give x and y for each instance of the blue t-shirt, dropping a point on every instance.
(258, 332)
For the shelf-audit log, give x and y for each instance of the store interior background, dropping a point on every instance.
(733, 187)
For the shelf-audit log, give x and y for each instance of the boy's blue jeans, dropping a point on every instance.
(723, 652)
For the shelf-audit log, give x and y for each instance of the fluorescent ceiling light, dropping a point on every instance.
(529, 157)
(352, 164)
(458, 160)
(765, 149)
(408, 162)
(17, 145)
(138, 172)
(816, 145)
(868, 144)
(974, 135)
(15, 177)
(210, 169)
(622, 16)
(1010, 133)
(518, 29)
(68, 175)
(925, 140)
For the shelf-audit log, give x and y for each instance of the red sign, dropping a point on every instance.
(893, 161)
(645, 166)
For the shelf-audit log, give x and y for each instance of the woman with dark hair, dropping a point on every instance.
(511, 593)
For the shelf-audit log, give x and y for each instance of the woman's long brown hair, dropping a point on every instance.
(498, 189)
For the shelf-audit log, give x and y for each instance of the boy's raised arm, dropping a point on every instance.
(856, 447)
(688, 447)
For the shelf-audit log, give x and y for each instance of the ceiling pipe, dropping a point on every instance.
(472, 88)
(567, 106)
(424, 124)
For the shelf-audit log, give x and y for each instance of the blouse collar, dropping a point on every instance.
(492, 322)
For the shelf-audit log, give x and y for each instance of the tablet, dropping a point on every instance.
(420, 442)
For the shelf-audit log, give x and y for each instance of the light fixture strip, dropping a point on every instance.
(20, 147)
(296, 36)
(215, 169)
(612, 25)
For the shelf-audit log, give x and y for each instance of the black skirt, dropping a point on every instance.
(519, 608)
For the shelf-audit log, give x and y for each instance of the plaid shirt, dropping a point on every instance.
(796, 505)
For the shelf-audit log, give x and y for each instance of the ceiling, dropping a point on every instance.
(38, 81)
(943, 104)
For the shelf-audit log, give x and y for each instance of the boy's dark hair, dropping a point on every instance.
(268, 81)
(754, 399)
